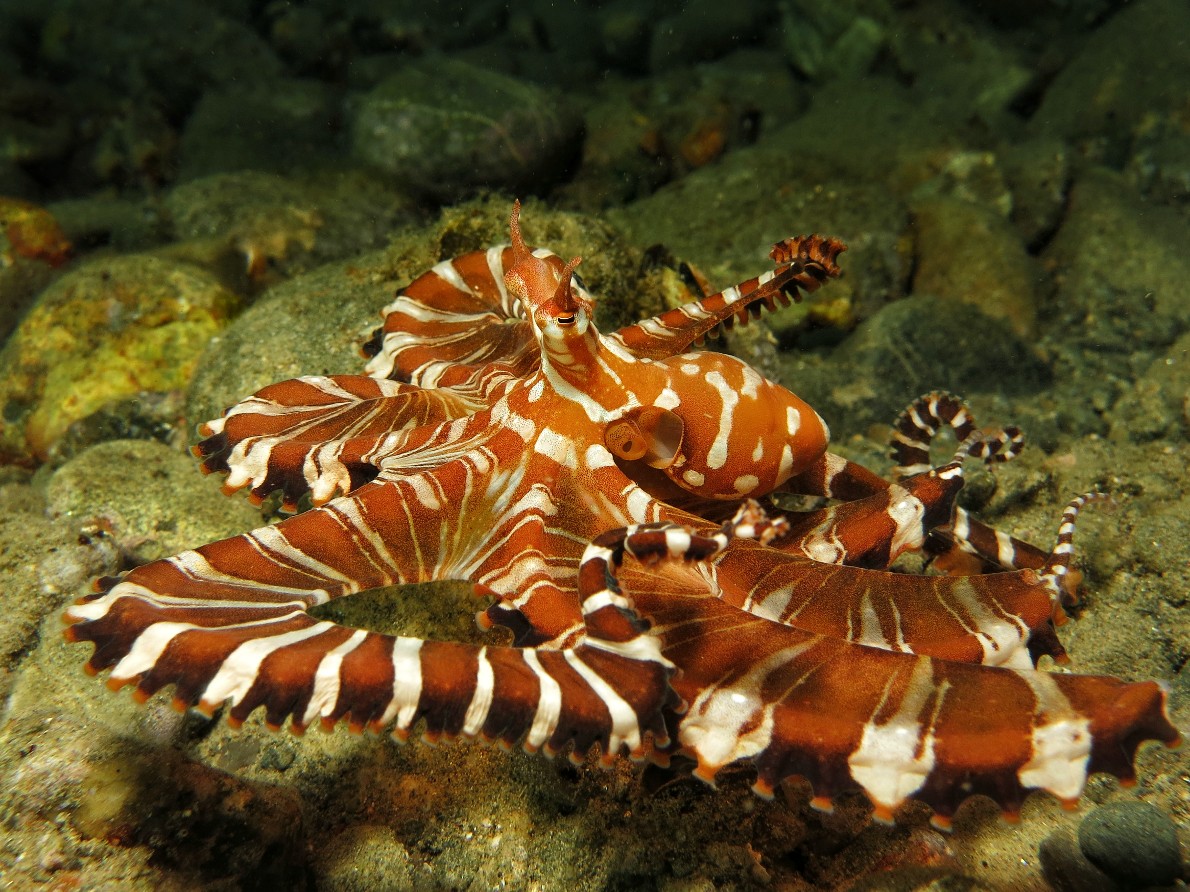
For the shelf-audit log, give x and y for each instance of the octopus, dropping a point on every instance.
(621, 499)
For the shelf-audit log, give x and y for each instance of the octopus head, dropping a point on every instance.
(558, 307)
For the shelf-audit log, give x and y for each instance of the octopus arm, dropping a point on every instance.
(319, 435)
(952, 535)
(893, 725)
(228, 624)
(998, 619)
(803, 264)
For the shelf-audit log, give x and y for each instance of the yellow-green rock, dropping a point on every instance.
(108, 330)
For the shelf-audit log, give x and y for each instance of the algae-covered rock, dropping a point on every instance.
(444, 128)
(1116, 253)
(254, 228)
(279, 124)
(1158, 404)
(966, 252)
(1122, 73)
(136, 487)
(909, 348)
(41, 560)
(1038, 173)
(104, 331)
(171, 49)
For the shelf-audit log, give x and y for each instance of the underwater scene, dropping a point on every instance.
(607, 445)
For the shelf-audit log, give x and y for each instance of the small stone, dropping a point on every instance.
(1133, 842)
(1067, 868)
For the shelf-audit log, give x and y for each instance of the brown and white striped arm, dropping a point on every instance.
(893, 725)
(322, 435)
(874, 530)
(997, 620)
(804, 264)
(222, 639)
(913, 435)
(1002, 619)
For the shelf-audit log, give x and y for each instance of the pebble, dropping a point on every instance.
(1067, 869)
(1133, 842)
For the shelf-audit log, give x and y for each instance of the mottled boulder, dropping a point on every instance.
(444, 129)
(1122, 75)
(104, 331)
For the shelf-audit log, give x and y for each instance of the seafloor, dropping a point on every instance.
(202, 198)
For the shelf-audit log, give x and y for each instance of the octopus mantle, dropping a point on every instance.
(599, 489)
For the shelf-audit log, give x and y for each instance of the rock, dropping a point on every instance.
(704, 29)
(311, 325)
(960, 70)
(106, 330)
(147, 415)
(971, 176)
(1133, 842)
(1158, 404)
(174, 49)
(42, 560)
(1038, 173)
(204, 826)
(908, 348)
(36, 123)
(152, 500)
(640, 136)
(20, 281)
(1121, 75)
(1113, 246)
(31, 232)
(1160, 161)
(279, 125)
(625, 29)
(363, 858)
(830, 41)
(254, 228)
(444, 128)
(122, 223)
(866, 131)
(1067, 868)
(725, 219)
(967, 252)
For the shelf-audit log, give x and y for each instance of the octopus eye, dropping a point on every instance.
(566, 320)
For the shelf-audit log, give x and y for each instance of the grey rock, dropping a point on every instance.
(275, 125)
(1038, 174)
(704, 29)
(1067, 868)
(1133, 842)
(181, 509)
(444, 129)
(174, 49)
(1113, 252)
(910, 347)
(1121, 75)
